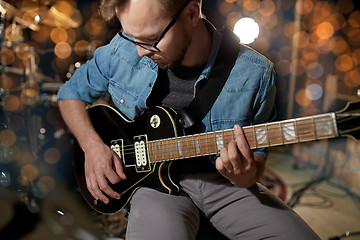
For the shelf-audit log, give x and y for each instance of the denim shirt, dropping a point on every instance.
(247, 97)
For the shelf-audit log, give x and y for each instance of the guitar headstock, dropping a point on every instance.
(348, 120)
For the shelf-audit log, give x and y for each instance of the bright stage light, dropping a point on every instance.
(247, 30)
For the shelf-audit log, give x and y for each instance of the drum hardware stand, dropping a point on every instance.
(326, 173)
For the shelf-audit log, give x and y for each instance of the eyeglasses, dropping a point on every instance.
(152, 47)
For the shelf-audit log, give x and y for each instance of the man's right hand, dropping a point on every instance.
(102, 164)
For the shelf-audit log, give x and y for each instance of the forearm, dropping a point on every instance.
(101, 163)
(76, 118)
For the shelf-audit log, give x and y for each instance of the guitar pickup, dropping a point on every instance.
(118, 147)
(141, 155)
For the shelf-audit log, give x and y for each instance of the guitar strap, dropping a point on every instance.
(209, 91)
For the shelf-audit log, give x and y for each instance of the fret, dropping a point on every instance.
(261, 135)
(305, 129)
(324, 125)
(189, 147)
(197, 143)
(211, 142)
(157, 156)
(149, 155)
(207, 144)
(180, 148)
(174, 148)
(267, 134)
(169, 149)
(254, 133)
(150, 152)
(186, 146)
(192, 151)
(165, 153)
(154, 157)
(219, 140)
(157, 146)
(314, 127)
(275, 134)
(258, 136)
(161, 151)
(228, 136)
(282, 133)
(289, 131)
(215, 142)
(203, 144)
(296, 130)
(250, 136)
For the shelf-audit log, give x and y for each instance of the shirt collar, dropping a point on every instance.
(216, 41)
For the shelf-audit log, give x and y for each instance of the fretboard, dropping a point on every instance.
(296, 130)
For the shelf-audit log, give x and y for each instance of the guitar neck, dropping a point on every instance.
(291, 131)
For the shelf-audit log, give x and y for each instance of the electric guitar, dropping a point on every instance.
(149, 145)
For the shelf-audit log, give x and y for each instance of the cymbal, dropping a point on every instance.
(9, 11)
(62, 14)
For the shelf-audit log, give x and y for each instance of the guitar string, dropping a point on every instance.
(204, 137)
(272, 129)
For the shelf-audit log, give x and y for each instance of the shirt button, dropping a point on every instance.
(150, 84)
(122, 100)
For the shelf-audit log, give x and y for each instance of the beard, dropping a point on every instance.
(177, 56)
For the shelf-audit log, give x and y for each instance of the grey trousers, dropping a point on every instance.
(238, 213)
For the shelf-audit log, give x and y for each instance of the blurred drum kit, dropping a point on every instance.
(27, 101)
(23, 86)
(26, 94)
(30, 15)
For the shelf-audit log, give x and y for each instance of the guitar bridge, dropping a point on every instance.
(141, 154)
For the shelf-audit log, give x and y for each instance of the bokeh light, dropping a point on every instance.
(52, 155)
(301, 39)
(6, 82)
(314, 92)
(46, 184)
(82, 48)
(314, 70)
(29, 173)
(247, 30)
(7, 56)
(58, 35)
(62, 50)
(267, 8)
(7, 138)
(324, 30)
(344, 63)
(314, 45)
(302, 99)
(11, 103)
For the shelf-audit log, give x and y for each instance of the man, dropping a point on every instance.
(162, 56)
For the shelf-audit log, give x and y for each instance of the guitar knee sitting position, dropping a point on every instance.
(167, 54)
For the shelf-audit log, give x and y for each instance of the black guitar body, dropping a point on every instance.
(155, 123)
(148, 146)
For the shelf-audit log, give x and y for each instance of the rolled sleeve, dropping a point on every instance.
(90, 80)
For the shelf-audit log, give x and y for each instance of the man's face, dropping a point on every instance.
(144, 20)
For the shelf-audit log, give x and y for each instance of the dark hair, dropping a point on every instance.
(107, 7)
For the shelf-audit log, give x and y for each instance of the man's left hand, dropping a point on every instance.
(238, 163)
